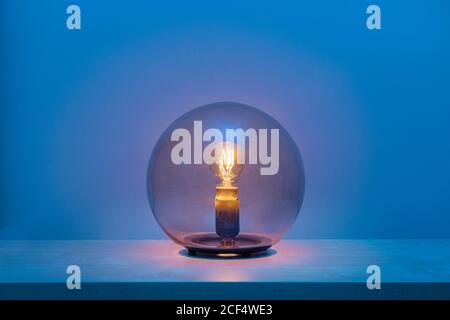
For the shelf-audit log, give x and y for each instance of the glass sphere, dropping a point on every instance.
(235, 195)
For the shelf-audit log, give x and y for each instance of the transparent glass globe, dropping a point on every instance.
(190, 195)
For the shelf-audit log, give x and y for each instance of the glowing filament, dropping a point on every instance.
(226, 165)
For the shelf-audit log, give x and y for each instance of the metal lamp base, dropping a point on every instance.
(211, 244)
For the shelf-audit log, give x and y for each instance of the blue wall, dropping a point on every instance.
(82, 110)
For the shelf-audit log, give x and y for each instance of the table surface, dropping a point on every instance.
(163, 262)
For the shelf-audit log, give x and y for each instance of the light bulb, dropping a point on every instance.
(226, 200)
(226, 164)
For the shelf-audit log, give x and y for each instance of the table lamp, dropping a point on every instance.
(225, 179)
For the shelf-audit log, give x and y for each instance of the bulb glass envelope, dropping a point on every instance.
(182, 180)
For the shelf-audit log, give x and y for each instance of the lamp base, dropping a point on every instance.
(210, 243)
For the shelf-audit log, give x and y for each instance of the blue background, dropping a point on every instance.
(82, 110)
